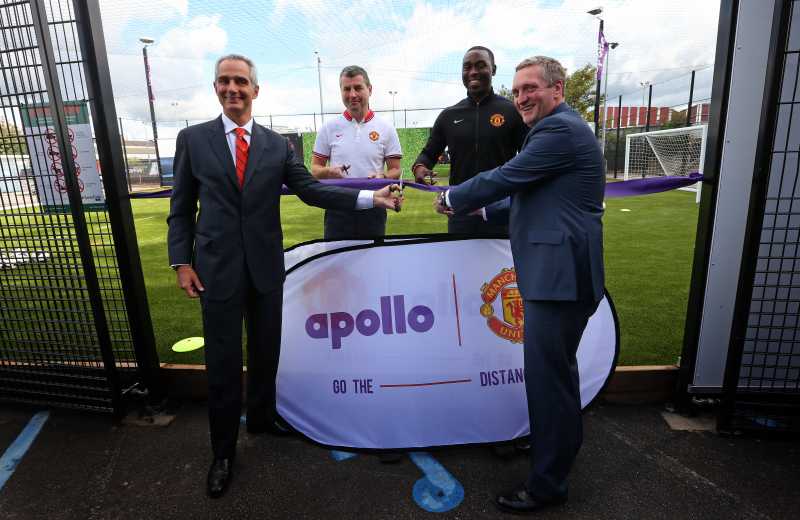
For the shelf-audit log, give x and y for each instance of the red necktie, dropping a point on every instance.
(241, 154)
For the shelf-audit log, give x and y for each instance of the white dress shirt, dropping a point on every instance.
(364, 200)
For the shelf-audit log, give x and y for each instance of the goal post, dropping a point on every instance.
(672, 152)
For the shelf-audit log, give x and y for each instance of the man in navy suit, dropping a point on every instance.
(230, 253)
(556, 185)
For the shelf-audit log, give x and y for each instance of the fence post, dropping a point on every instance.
(616, 149)
(270, 121)
(689, 108)
(649, 103)
(81, 227)
(131, 276)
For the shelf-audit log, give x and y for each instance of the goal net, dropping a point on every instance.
(672, 152)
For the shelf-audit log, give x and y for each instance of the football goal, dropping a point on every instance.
(672, 152)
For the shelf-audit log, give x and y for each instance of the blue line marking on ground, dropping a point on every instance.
(18, 448)
(339, 456)
(438, 491)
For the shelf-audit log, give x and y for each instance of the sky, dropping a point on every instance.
(411, 47)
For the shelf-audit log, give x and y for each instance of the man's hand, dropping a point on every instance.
(424, 176)
(337, 172)
(439, 205)
(388, 197)
(189, 282)
(376, 175)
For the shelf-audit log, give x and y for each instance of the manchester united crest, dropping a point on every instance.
(374, 135)
(509, 321)
(497, 120)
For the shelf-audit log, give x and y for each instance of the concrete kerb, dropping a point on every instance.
(628, 384)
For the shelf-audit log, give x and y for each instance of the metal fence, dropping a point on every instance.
(683, 100)
(762, 376)
(74, 325)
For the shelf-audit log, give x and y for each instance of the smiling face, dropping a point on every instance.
(235, 90)
(355, 95)
(533, 97)
(477, 70)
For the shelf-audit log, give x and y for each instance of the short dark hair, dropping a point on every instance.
(351, 71)
(482, 48)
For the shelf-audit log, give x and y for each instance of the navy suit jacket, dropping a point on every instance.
(236, 228)
(556, 185)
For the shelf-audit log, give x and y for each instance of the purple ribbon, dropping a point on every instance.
(613, 189)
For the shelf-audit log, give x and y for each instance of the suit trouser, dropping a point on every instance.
(222, 327)
(553, 330)
(474, 225)
(366, 223)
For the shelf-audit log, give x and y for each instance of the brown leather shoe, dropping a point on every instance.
(219, 477)
(521, 502)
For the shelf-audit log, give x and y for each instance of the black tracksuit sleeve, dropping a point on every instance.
(435, 145)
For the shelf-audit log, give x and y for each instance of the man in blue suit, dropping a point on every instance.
(556, 186)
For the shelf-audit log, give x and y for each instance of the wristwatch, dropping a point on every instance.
(442, 200)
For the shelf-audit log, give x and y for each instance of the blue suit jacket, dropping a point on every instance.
(556, 185)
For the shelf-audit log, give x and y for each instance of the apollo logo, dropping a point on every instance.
(392, 319)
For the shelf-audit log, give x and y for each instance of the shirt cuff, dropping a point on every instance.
(447, 199)
(176, 266)
(364, 200)
(483, 214)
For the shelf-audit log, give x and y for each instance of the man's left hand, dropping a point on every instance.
(376, 175)
(388, 197)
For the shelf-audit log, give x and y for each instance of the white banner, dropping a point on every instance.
(413, 344)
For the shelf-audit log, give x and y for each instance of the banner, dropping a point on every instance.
(413, 342)
(45, 155)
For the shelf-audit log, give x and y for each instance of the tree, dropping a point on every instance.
(11, 139)
(505, 92)
(579, 90)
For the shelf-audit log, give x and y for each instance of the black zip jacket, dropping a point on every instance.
(478, 136)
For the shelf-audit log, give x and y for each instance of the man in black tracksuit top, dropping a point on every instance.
(480, 132)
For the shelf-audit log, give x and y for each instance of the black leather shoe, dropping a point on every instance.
(521, 502)
(390, 457)
(278, 428)
(219, 476)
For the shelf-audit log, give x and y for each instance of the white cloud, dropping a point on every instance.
(414, 49)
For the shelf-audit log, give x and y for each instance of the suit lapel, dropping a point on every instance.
(258, 141)
(219, 144)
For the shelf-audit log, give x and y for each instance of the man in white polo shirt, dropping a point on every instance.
(356, 144)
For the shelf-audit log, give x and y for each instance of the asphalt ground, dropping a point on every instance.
(632, 465)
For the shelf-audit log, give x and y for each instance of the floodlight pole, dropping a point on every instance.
(596, 12)
(319, 82)
(151, 99)
(393, 93)
(612, 45)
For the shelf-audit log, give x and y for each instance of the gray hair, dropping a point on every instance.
(351, 71)
(253, 71)
(552, 70)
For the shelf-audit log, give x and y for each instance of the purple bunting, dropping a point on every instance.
(613, 189)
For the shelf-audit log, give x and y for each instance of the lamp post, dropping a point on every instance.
(151, 99)
(596, 13)
(393, 93)
(611, 46)
(319, 83)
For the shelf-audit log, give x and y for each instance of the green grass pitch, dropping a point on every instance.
(649, 242)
